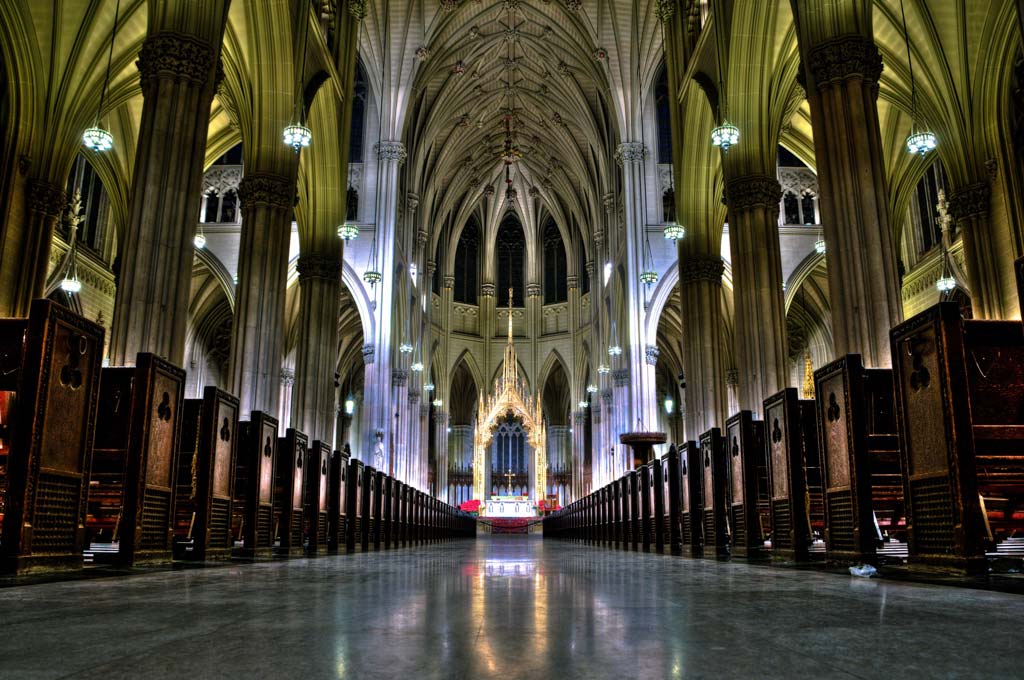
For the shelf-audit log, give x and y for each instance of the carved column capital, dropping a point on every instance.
(399, 377)
(580, 417)
(695, 268)
(175, 56)
(414, 398)
(318, 267)
(848, 56)
(607, 397)
(448, 281)
(753, 191)
(431, 268)
(732, 377)
(970, 202)
(620, 376)
(651, 353)
(368, 353)
(44, 198)
(487, 290)
(572, 282)
(440, 417)
(287, 377)
(391, 151)
(266, 189)
(608, 200)
(412, 200)
(630, 152)
(533, 290)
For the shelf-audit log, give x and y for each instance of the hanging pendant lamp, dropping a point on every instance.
(96, 138)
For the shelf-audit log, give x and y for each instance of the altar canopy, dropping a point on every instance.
(509, 398)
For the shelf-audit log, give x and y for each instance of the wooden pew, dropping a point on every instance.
(378, 509)
(635, 526)
(747, 476)
(691, 507)
(354, 499)
(643, 474)
(135, 460)
(615, 508)
(794, 471)
(402, 514)
(253, 525)
(368, 525)
(713, 491)
(960, 392)
(204, 487)
(337, 501)
(387, 516)
(670, 491)
(49, 390)
(860, 458)
(623, 512)
(315, 502)
(289, 483)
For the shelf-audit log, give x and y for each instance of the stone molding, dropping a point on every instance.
(695, 268)
(845, 57)
(391, 151)
(753, 191)
(266, 189)
(44, 198)
(318, 267)
(972, 201)
(175, 56)
(630, 152)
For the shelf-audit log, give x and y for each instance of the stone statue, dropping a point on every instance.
(378, 451)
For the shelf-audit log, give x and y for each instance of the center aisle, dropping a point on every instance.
(503, 607)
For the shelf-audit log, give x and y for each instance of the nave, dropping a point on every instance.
(504, 607)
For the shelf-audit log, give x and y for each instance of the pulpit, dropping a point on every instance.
(642, 445)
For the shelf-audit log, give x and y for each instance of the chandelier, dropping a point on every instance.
(348, 232)
(297, 135)
(945, 283)
(819, 246)
(921, 141)
(725, 136)
(675, 232)
(603, 370)
(96, 138)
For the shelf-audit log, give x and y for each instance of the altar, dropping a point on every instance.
(509, 506)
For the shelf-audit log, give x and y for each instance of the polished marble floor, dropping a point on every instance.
(505, 607)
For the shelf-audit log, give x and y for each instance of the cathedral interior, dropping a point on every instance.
(601, 338)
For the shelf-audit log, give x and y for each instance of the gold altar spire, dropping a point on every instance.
(510, 397)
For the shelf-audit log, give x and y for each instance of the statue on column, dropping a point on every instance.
(378, 451)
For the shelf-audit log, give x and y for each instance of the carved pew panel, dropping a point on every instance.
(713, 491)
(354, 500)
(960, 390)
(368, 526)
(289, 484)
(253, 525)
(204, 488)
(131, 492)
(314, 505)
(387, 515)
(379, 506)
(671, 494)
(49, 388)
(337, 501)
(691, 507)
(745, 447)
(860, 457)
(794, 472)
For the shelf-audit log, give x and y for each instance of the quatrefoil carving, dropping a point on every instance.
(225, 431)
(920, 377)
(833, 410)
(707, 459)
(735, 447)
(268, 450)
(70, 372)
(776, 431)
(163, 411)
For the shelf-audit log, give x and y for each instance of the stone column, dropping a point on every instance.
(417, 466)
(443, 459)
(379, 412)
(257, 328)
(969, 206)
(760, 309)
(399, 463)
(700, 287)
(284, 409)
(864, 289)
(364, 450)
(45, 203)
(623, 378)
(578, 454)
(641, 400)
(314, 400)
(178, 83)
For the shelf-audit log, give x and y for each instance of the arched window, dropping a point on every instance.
(791, 205)
(663, 115)
(358, 128)
(555, 274)
(467, 264)
(923, 213)
(581, 269)
(510, 250)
